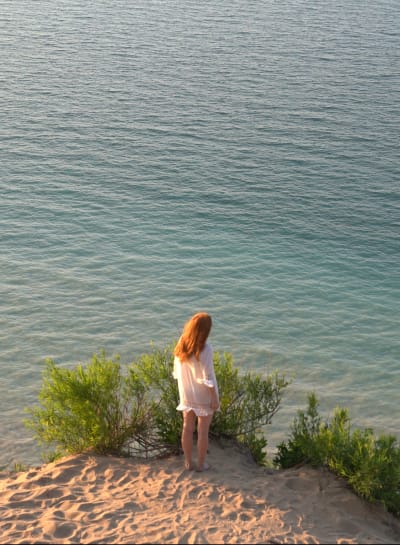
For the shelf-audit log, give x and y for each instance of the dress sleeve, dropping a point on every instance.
(206, 358)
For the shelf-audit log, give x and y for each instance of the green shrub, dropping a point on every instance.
(154, 370)
(304, 443)
(248, 401)
(370, 465)
(90, 407)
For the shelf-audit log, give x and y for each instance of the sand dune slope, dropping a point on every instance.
(99, 499)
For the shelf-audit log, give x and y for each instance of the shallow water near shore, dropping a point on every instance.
(238, 158)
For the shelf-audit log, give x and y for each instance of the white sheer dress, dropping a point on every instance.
(195, 379)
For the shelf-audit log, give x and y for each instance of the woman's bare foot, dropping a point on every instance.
(204, 467)
(189, 466)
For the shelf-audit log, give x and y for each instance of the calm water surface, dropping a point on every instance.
(160, 158)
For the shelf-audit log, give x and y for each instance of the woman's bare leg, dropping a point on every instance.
(189, 419)
(203, 425)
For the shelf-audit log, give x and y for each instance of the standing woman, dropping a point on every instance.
(198, 389)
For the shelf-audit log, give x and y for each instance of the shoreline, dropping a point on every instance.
(90, 499)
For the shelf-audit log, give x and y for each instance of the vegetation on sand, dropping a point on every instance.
(130, 410)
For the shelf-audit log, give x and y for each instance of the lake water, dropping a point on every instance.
(159, 158)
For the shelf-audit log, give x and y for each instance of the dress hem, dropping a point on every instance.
(196, 410)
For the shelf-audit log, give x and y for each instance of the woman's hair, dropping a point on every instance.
(194, 336)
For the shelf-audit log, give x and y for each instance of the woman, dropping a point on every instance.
(198, 389)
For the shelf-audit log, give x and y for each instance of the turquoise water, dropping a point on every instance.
(160, 158)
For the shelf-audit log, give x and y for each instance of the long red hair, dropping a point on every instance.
(194, 336)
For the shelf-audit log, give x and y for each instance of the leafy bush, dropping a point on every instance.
(370, 465)
(99, 407)
(93, 407)
(304, 444)
(248, 402)
(154, 371)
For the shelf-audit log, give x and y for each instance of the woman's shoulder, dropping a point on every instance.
(208, 349)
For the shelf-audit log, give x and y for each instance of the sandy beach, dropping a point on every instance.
(103, 499)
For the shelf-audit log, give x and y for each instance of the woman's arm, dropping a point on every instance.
(209, 376)
(214, 399)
